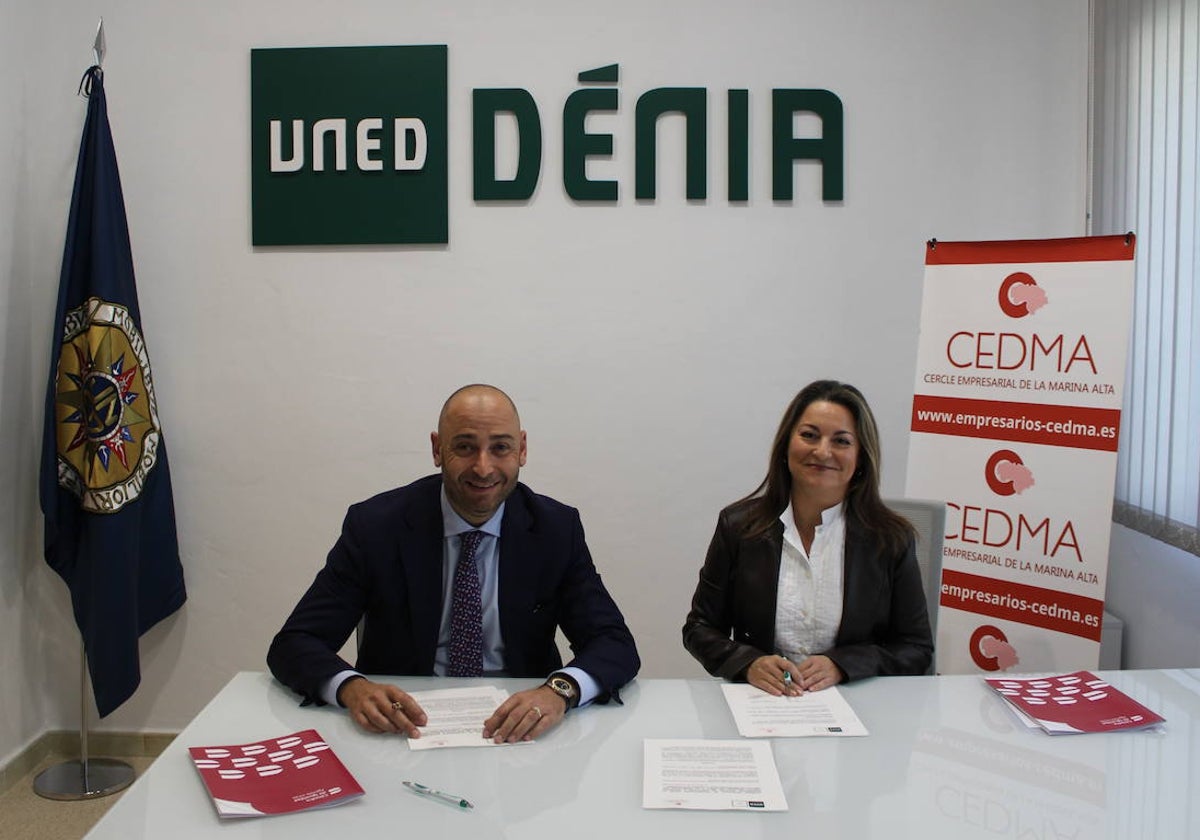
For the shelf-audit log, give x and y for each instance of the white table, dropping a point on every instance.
(944, 760)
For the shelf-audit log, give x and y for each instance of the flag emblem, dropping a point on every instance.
(107, 421)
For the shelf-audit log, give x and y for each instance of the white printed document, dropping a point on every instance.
(760, 715)
(711, 776)
(456, 716)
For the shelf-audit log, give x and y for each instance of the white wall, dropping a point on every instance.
(16, 417)
(30, 614)
(1154, 588)
(650, 346)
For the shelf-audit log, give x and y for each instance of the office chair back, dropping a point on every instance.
(929, 518)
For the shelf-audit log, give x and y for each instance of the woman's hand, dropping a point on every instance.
(774, 675)
(817, 672)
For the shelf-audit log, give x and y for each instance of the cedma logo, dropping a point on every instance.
(1020, 295)
(1007, 474)
(990, 649)
(349, 144)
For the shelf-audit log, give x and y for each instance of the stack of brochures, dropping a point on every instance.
(1073, 703)
(276, 776)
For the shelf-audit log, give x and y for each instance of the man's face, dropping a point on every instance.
(480, 447)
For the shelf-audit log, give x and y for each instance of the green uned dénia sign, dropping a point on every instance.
(349, 144)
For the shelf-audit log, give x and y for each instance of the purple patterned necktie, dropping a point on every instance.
(466, 612)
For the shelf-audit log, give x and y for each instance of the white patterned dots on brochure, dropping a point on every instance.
(1064, 690)
(265, 759)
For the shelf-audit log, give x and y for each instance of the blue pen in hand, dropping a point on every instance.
(449, 798)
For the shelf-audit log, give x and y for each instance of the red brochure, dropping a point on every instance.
(1072, 703)
(277, 776)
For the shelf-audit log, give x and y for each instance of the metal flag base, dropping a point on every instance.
(83, 779)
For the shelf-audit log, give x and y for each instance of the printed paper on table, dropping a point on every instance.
(761, 715)
(710, 775)
(455, 716)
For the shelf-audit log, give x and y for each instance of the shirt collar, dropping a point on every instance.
(829, 516)
(453, 524)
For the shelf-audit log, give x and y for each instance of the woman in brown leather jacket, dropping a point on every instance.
(811, 580)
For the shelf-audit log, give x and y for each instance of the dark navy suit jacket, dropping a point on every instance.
(387, 567)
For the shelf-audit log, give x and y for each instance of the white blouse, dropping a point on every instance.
(808, 606)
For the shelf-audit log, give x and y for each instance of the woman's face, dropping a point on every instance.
(823, 452)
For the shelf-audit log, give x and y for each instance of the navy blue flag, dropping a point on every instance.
(105, 485)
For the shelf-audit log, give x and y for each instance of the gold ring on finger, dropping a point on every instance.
(537, 711)
(396, 706)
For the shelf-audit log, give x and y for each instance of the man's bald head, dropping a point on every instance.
(466, 392)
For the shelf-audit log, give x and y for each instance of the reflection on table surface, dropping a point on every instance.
(945, 759)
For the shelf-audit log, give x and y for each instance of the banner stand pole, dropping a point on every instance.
(84, 778)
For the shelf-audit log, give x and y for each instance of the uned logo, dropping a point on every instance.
(349, 145)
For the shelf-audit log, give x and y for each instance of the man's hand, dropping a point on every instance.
(525, 715)
(381, 708)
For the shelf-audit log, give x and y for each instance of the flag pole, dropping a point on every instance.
(83, 778)
(104, 486)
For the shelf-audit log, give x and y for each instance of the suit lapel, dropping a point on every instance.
(851, 578)
(518, 571)
(856, 575)
(762, 577)
(419, 549)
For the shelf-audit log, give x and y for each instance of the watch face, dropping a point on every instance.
(565, 689)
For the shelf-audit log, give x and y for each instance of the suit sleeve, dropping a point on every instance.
(303, 655)
(707, 630)
(894, 639)
(593, 624)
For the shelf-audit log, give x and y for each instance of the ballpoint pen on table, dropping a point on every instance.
(452, 799)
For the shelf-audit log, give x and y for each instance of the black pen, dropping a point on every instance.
(452, 799)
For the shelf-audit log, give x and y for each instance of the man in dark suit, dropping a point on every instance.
(400, 566)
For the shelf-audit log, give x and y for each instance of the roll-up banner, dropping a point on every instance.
(1015, 419)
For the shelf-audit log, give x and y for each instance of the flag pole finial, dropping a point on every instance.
(98, 46)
